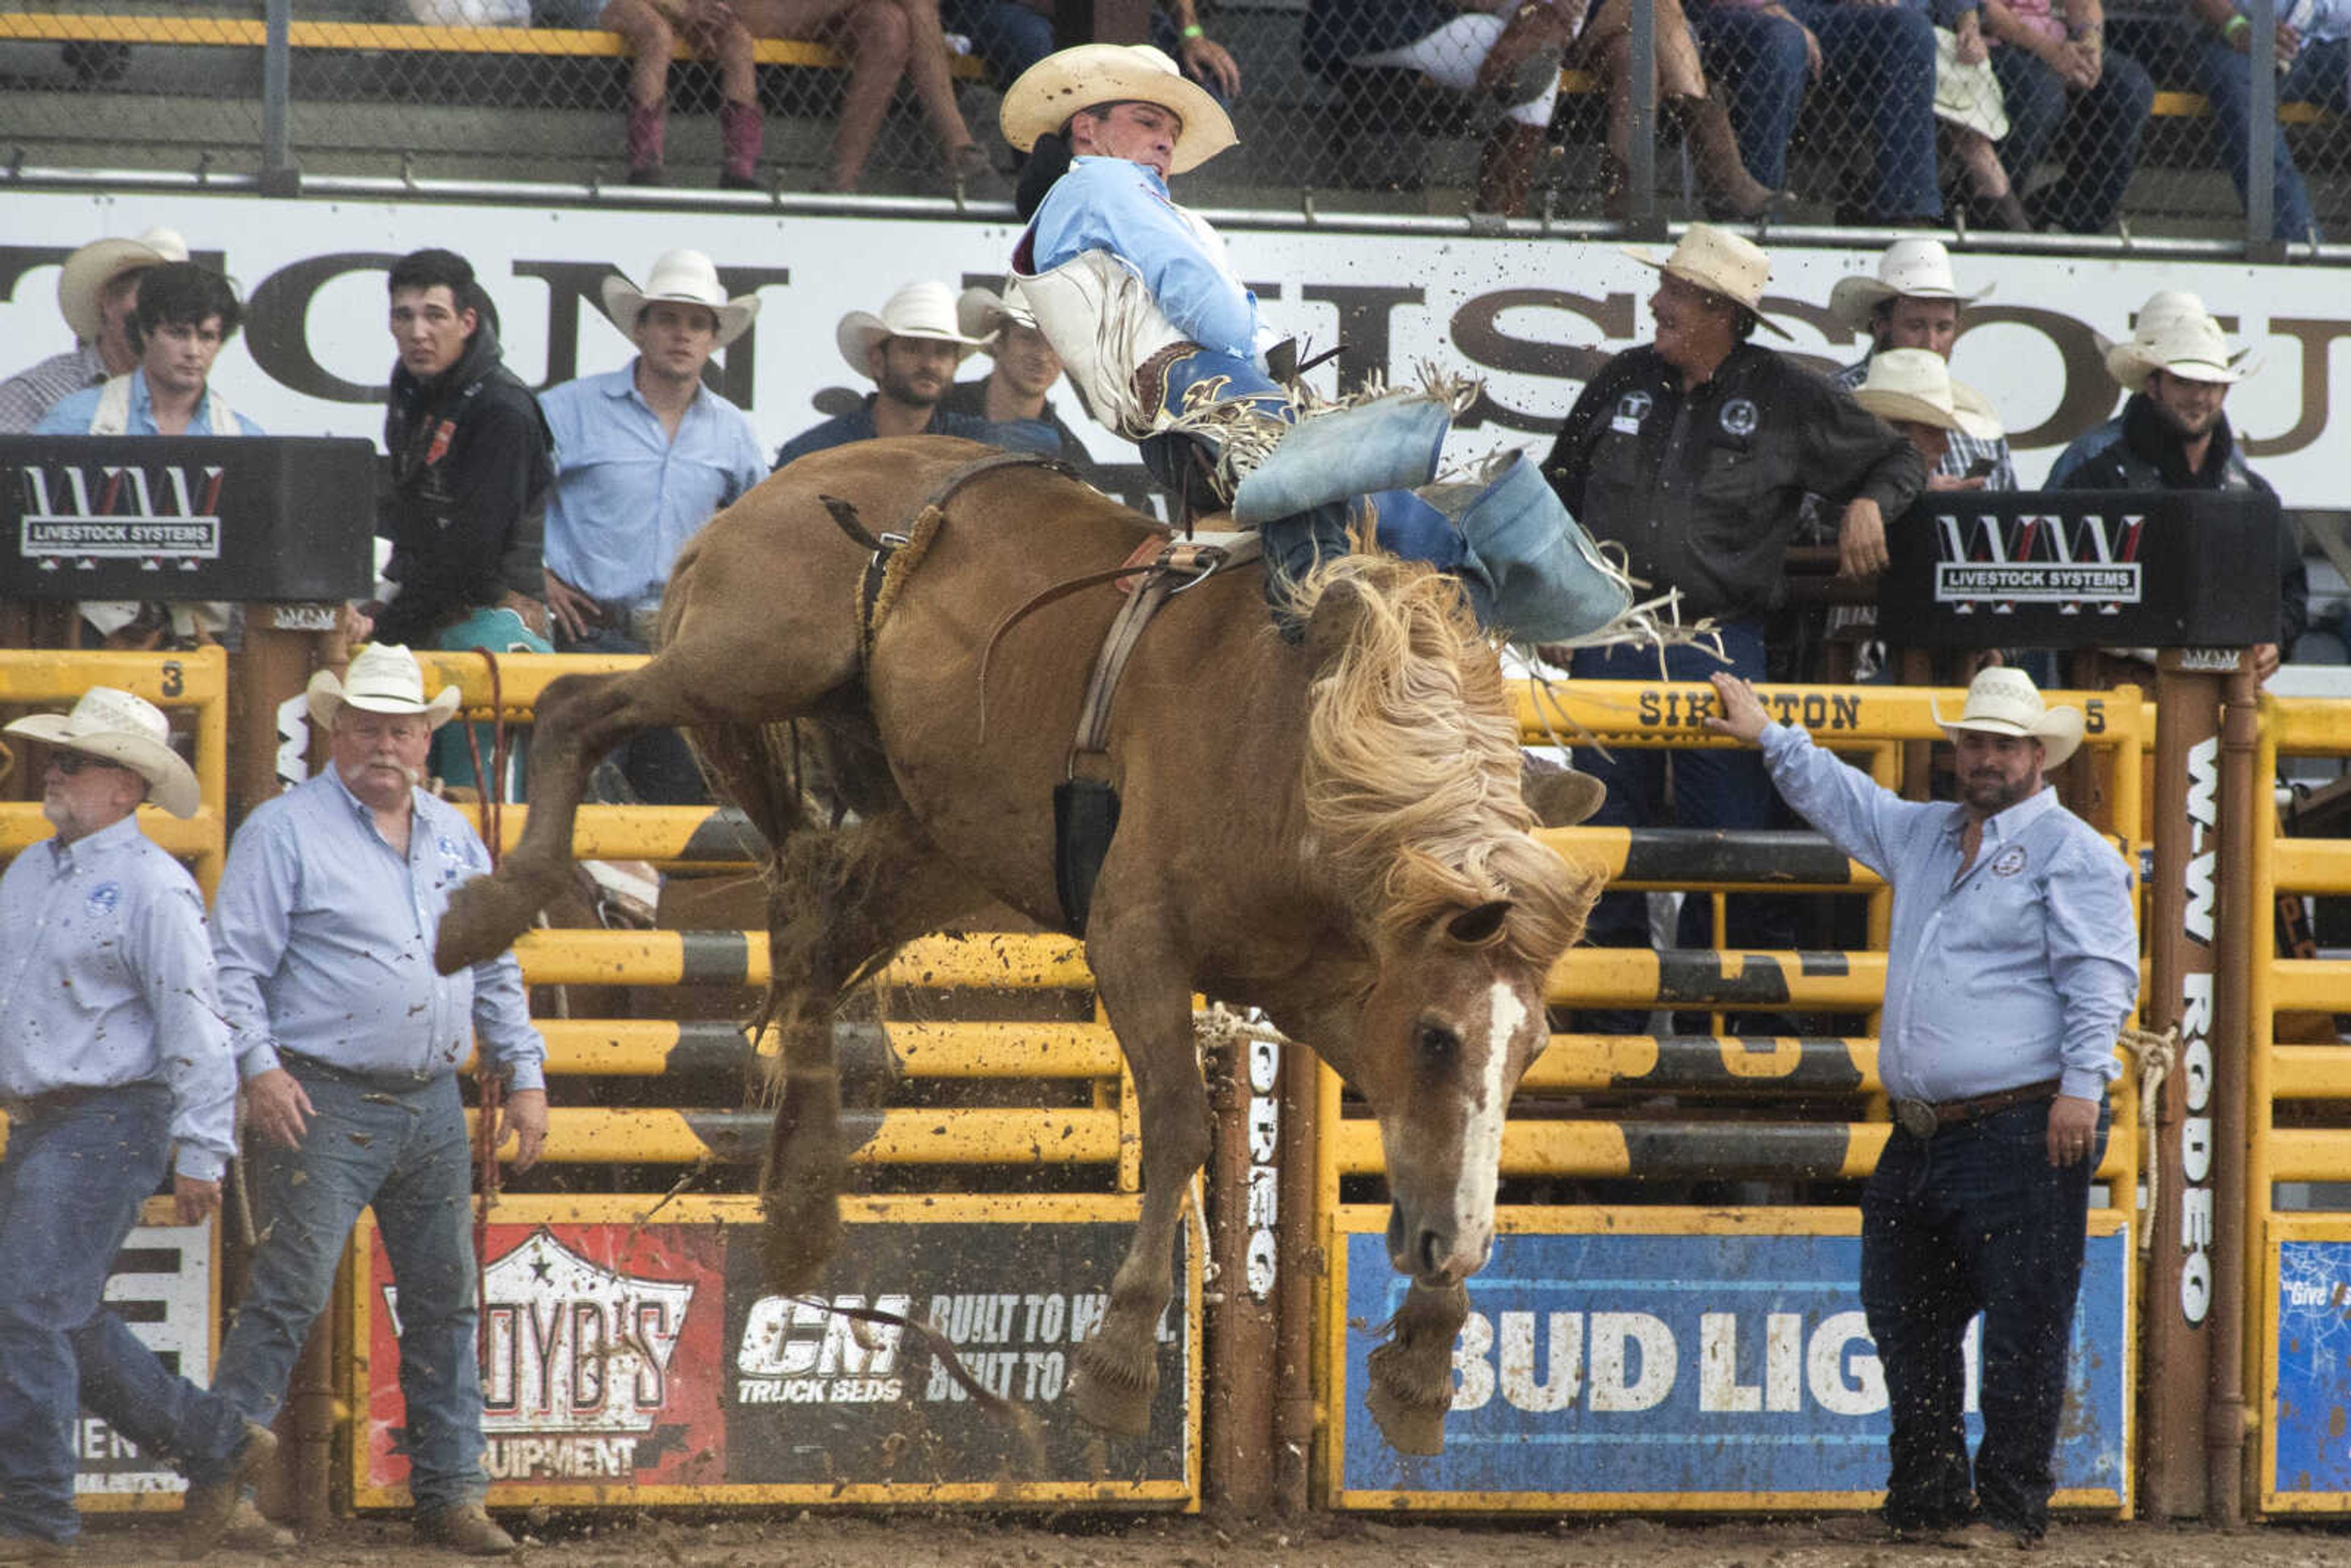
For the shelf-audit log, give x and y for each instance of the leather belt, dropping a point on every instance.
(53, 1101)
(1924, 1118)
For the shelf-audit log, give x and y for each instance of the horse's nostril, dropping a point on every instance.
(1432, 1251)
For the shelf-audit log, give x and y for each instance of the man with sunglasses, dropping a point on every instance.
(107, 960)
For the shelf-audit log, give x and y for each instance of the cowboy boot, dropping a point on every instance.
(1391, 443)
(1506, 170)
(648, 125)
(739, 134)
(1731, 191)
(1548, 583)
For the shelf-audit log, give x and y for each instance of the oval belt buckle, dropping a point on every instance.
(1916, 1117)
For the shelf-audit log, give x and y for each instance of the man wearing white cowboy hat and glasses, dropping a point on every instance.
(2173, 436)
(1913, 301)
(2011, 968)
(349, 1045)
(645, 455)
(114, 1066)
(910, 352)
(1696, 454)
(1153, 326)
(98, 290)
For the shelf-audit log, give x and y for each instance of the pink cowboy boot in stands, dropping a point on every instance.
(647, 122)
(740, 132)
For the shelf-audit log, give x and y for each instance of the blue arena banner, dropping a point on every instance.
(2314, 1367)
(1666, 1365)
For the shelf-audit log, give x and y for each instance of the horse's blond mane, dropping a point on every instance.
(1412, 767)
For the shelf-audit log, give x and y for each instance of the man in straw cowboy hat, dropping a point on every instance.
(1693, 453)
(114, 1067)
(349, 1044)
(1912, 300)
(97, 289)
(1140, 299)
(2173, 435)
(1025, 369)
(910, 351)
(2011, 969)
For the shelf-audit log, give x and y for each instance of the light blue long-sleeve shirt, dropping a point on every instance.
(627, 496)
(1109, 203)
(108, 980)
(2021, 969)
(325, 938)
(71, 416)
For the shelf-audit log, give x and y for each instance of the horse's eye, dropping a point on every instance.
(1438, 1045)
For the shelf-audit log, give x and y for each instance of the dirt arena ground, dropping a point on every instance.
(905, 1540)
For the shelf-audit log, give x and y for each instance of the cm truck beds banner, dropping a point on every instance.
(1648, 1361)
(628, 1358)
(1535, 317)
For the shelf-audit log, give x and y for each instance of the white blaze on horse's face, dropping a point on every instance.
(1481, 1138)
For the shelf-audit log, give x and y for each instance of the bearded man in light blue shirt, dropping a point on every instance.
(349, 1044)
(113, 1066)
(645, 455)
(2011, 968)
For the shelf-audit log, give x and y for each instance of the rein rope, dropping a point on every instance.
(2155, 1055)
(490, 1087)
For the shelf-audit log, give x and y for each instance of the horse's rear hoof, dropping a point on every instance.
(1111, 1398)
(1409, 1428)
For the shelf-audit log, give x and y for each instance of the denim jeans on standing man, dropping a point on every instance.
(397, 1144)
(72, 1185)
(1975, 1219)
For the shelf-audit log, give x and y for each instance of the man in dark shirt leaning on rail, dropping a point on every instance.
(1693, 453)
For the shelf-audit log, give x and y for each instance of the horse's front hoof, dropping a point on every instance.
(1107, 1394)
(1409, 1428)
(482, 921)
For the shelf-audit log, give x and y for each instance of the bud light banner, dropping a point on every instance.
(643, 1360)
(1714, 1369)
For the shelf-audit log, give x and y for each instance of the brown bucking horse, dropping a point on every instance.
(1331, 831)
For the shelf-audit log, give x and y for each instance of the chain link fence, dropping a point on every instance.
(1801, 111)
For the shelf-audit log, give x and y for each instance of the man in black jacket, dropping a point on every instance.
(471, 466)
(1693, 453)
(2174, 436)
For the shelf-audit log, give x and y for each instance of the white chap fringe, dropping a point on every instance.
(1655, 621)
(1245, 435)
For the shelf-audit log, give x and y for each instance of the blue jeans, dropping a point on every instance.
(70, 1189)
(1877, 61)
(1010, 38)
(1711, 789)
(398, 1145)
(1974, 1220)
(657, 763)
(2100, 134)
(2320, 74)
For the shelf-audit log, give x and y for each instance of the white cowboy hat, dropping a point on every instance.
(1042, 99)
(683, 278)
(89, 270)
(2003, 700)
(2189, 347)
(982, 312)
(917, 310)
(1720, 263)
(120, 728)
(1915, 386)
(2162, 308)
(1967, 96)
(1919, 268)
(383, 678)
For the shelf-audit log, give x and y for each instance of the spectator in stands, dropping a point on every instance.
(1913, 301)
(1512, 54)
(645, 455)
(1695, 454)
(470, 468)
(1010, 36)
(885, 40)
(349, 1044)
(98, 290)
(2067, 94)
(2315, 62)
(1876, 58)
(116, 1067)
(910, 352)
(1974, 119)
(185, 313)
(2012, 966)
(1026, 368)
(714, 31)
(2174, 435)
